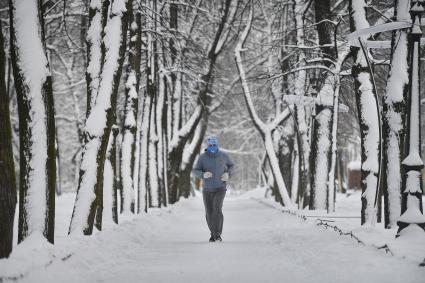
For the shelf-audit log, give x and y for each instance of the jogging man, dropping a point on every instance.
(215, 169)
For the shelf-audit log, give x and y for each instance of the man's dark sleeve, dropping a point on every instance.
(198, 170)
(230, 165)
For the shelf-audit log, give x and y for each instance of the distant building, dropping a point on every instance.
(354, 175)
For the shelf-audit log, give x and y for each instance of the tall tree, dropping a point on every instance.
(7, 167)
(283, 135)
(368, 114)
(300, 8)
(393, 108)
(152, 85)
(128, 149)
(321, 136)
(33, 85)
(100, 119)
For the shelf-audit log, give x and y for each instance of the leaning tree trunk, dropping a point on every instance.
(33, 85)
(181, 135)
(282, 135)
(189, 156)
(128, 150)
(99, 122)
(108, 197)
(7, 167)
(98, 16)
(368, 114)
(264, 129)
(393, 119)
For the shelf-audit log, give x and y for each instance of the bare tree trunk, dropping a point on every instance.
(300, 8)
(189, 156)
(128, 150)
(160, 133)
(153, 189)
(285, 149)
(110, 183)
(393, 119)
(331, 193)
(366, 101)
(36, 120)
(151, 183)
(98, 17)
(321, 135)
(144, 142)
(7, 167)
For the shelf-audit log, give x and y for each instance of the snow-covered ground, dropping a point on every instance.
(261, 244)
(346, 220)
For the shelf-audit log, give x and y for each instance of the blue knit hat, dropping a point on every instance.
(212, 140)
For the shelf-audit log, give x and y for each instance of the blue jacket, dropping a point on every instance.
(217, 164)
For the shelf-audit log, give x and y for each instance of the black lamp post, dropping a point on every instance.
(412, 212)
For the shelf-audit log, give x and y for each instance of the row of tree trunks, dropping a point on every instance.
(144, 150)
(100, 119)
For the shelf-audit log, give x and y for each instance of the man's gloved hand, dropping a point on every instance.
(225, 177)
(207, 175)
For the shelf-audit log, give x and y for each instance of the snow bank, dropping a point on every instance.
(409, 246)
(32, 257)
(33, 253)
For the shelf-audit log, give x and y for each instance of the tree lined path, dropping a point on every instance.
(260, 244)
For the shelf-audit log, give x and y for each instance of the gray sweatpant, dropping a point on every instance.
(213, 202)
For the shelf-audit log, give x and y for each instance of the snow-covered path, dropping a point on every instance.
(260, 244)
